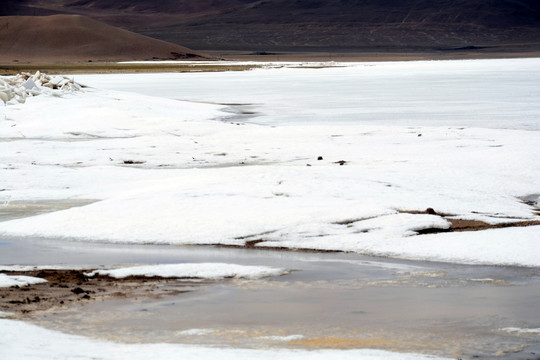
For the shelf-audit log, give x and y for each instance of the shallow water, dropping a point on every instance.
(10, 210)
(330, 300)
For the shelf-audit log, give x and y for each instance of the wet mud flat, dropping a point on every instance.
(331, 300)
(65, 288)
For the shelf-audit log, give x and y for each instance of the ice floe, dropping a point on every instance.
(196, 270)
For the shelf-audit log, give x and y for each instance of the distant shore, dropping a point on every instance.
(116, 67)
(375, 55)
(79, 67)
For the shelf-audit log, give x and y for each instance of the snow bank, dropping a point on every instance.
(197, 270)
(24, 85)
(508, 246)
(19, 280)
(26, 341)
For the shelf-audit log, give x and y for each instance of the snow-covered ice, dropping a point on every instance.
(460, 137)
(470, 93)
(196, 270)
(25, 341)
(19, 280)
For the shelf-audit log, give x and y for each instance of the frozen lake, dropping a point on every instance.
(475, 93)
(346, 158)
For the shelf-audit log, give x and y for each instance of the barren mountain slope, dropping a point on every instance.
(74, 37)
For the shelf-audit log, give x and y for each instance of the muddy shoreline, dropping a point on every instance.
(65, 288)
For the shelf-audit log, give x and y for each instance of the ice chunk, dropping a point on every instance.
(19, 280)
(30, 85)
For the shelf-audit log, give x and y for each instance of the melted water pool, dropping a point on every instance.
(332, 300)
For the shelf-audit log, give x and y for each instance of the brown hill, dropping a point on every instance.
(60, 38)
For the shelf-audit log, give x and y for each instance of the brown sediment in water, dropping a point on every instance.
(65, 288)
(380, 343)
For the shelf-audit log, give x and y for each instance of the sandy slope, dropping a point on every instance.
(77, 38)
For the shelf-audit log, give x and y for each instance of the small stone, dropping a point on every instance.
(77, 291)
(320, 158)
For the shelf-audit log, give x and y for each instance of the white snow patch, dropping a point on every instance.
(43, 267)
(19, 280)
(4, 314)
(521, 330)
(282, 338)
(25, 341)
(196, 332)
(195, 270)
